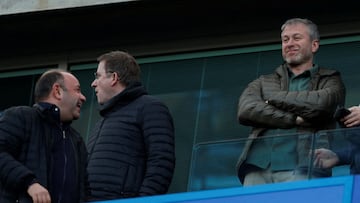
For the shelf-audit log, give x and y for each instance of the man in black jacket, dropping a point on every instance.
(42, 158)
(132, 146)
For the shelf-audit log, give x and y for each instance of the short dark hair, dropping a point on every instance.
(46, 81)
(123, 64)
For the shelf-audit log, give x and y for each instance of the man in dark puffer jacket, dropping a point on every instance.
(42, 158)
(131, 148)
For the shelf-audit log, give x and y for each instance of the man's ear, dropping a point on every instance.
(114, 78)
(56, 91)
(315, 45)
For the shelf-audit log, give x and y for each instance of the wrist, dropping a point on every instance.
(30, 181)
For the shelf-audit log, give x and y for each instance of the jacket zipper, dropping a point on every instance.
(65, 163)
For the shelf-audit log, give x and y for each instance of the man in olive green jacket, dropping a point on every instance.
(299, 97)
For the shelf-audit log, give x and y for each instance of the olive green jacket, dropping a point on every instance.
(266, 103)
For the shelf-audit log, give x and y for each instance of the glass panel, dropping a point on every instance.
(214, 163)
(18, 91)
(225, 77)
(346, 144)
(220, 93)
(177, 84)
(344, 58)
(268, 61)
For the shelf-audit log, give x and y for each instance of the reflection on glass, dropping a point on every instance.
(213, 163)
(346, 147)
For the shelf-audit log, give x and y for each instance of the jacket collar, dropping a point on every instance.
(129, 94)
(321, 71)
(51, 112)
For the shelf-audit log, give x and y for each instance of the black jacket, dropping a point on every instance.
(27, 139)
(132, 147)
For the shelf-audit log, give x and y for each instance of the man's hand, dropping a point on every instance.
(38, 193)
(325, 158)
(353, 119)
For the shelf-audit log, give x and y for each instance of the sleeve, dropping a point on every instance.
(314, 106)
(13, 174)
(253, 110)
(345, 155)
(158, 131)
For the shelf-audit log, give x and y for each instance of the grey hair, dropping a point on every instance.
(312, 27)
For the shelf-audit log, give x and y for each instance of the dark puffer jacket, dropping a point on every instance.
(267, 103)
(132, 147)
(26, 141)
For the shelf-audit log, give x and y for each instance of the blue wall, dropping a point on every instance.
(344, 189)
